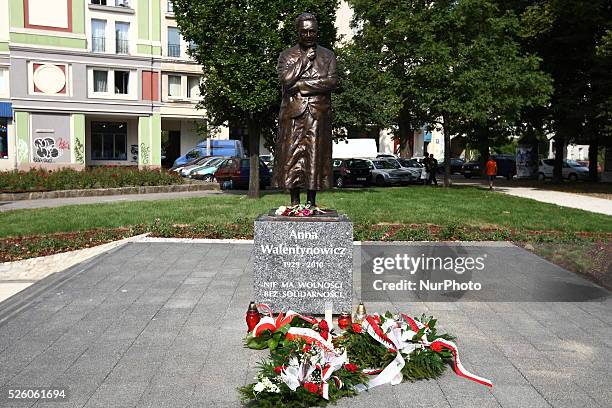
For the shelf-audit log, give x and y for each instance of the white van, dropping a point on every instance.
(351, 148)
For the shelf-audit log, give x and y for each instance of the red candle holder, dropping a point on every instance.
(252, 317)
(344, 320)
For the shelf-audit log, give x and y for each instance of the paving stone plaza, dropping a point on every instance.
(161, 324)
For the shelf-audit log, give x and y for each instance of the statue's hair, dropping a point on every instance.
(305, 17)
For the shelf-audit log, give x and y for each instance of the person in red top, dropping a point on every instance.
(491, 168)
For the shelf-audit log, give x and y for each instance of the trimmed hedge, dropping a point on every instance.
(94, 177)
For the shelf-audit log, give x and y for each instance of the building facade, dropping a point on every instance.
(94, 82)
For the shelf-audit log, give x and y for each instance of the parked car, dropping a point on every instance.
(207, 171)
(456, 165)
(234, 173)
(386, 156)
(351, 171)
(506, 167)
(192, 162)
(267, 159)
(571, 170)
(186, 170)
(386, 173)
(229, 148)
(585, 163)
(413, 166)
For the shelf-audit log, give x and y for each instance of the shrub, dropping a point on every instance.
(94, 177)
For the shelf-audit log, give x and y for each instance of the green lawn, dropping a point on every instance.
(462, 206)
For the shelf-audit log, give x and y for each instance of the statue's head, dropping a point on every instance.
(307, 27)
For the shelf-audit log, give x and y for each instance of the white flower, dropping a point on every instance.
(274, 388)
(280, 210)
(259, 387)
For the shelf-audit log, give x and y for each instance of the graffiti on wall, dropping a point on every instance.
(79, 151)
(48, 150)
(146, 153)
(22, 151)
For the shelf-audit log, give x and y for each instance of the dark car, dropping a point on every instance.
(456, 166)
(506, 166)
(351, 171)
(234, 173)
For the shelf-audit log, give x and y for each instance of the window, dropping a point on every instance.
(193, 154)
(2, 81)
(100, 81)
(3, 138)
(98, 35)
(170, 7)
(192, 46)
(122, 37)
(174, 42)
(174, 86)
(109, 141)
(118, 3)
(193, 87)
(122, 82)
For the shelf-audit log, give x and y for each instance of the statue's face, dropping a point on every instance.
(307, 32)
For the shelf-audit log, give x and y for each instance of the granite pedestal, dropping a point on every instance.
(304, 263)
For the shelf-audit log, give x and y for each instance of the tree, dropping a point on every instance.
(367, 97)
(238, 44)
(565, 34)
(459, 62)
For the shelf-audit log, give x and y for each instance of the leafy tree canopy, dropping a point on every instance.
(459, 62)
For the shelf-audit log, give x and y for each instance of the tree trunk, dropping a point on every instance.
(558, 168)
(447, 151)
(254, 134)
(593, 150)
(406, 134)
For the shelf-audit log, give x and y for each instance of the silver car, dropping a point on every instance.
(571, 170)
(385, 172)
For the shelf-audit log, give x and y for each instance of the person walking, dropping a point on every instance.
(433, 169)
(425, 169)
(491, 169)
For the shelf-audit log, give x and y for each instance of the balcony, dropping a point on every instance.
(122, 46)
(98, 44)
(174, 50)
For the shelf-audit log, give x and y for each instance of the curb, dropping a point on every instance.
(175, 188)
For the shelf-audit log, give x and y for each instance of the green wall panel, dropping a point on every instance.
(36, 39)
(78, 16)
(16, 13)
(143, 19)
(149, 49)
(79, 138)
(156, 139)
(22, 124)
(144, 141)
(156, 14)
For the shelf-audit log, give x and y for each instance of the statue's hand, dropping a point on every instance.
(311, 54)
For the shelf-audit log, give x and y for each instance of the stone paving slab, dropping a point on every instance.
(161, 325)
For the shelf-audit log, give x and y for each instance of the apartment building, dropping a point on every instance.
(94, 82)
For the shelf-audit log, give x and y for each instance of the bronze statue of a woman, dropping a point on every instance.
(307, 72)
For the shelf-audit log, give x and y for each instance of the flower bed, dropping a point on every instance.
(311, 365)
(95, 177)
